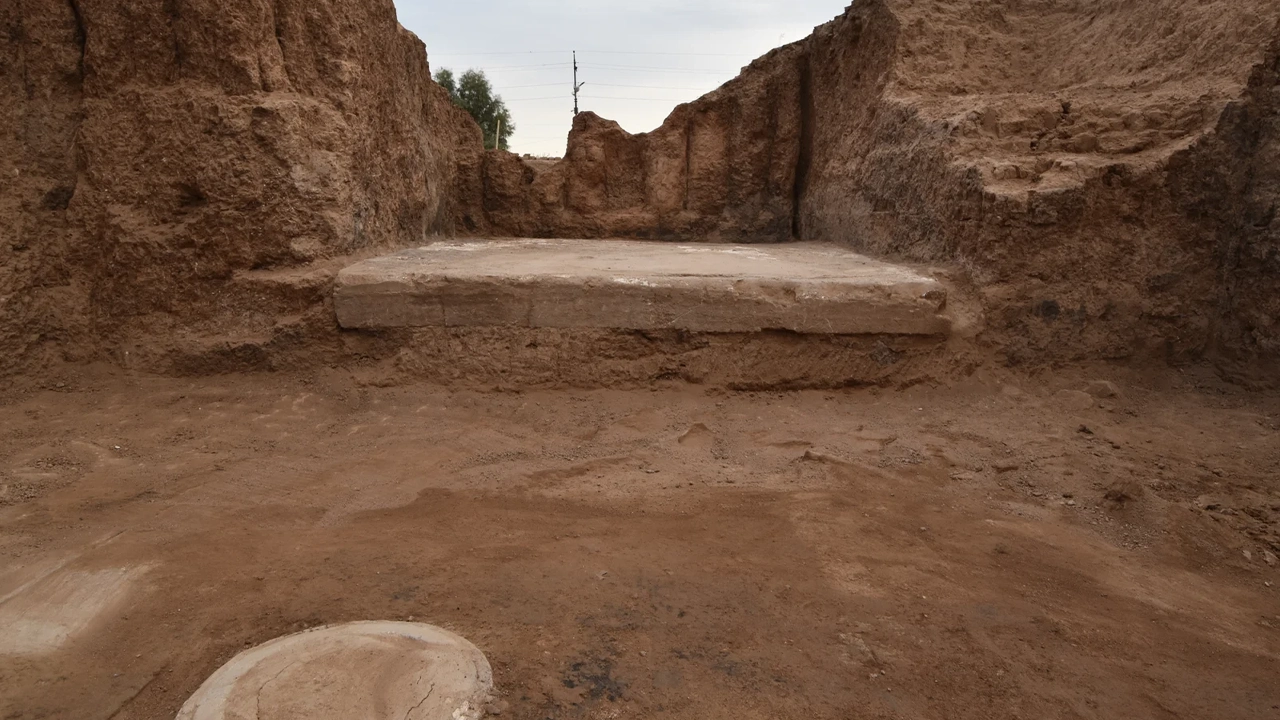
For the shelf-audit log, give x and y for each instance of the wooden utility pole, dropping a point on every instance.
(497, 138)
(576, 85)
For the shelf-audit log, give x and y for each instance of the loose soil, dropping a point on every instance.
(1005, 547)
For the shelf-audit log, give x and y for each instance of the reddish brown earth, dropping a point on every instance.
(1093, 180)
(1102, 173)
(1006, 547)
(1100, 176)
(156, 154)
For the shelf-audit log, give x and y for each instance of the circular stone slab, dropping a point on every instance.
(406, 671)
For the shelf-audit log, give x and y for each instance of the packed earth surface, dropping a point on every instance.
(1050, 547)
(1030, 468)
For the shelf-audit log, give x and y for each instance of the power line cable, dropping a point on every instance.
(646, 87)
(520, 70)
(511, 52)
(613, 85)
(602, 97)
(640, 68)
(601, 66)
(517, 67)
(679, 54)
(613, 66)
(669, 54)
(598, 52)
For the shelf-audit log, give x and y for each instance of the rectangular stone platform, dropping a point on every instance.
(801, 287)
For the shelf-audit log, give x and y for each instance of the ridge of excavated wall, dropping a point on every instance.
(722, 168)
(1055, 152)
(155, 151)
(182, 179)
(1229, 185)
(1054, 186)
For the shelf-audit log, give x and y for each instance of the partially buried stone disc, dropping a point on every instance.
(364, 670)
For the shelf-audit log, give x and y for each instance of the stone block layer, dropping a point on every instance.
(803, 287)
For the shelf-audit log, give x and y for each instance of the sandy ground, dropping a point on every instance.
(1005, 548)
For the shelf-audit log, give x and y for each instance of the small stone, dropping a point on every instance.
(1006, 172)
(1071, 503)
(1083, 143)
(1102, 389)
(1005, 466)
(1248, 556)
(1124, 491)
(1075, 400)
(1270, 558)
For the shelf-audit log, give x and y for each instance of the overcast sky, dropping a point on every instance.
(638, 58)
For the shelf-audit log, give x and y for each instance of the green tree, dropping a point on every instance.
(473, 93)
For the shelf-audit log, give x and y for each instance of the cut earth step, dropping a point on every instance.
(804, 288)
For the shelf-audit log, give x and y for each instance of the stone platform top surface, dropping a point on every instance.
(639, 262)
(801, 287)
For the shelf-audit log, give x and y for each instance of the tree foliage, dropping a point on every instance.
(473, 93)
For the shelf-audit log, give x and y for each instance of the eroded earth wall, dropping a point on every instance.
(722, 169)
(1100, 179)
(1101, 172)
(1229, 183)
(154, 152)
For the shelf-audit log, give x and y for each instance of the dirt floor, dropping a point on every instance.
(1009, 547)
